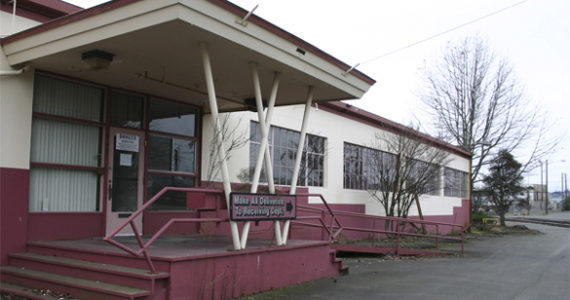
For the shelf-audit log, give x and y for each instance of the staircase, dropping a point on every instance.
(65, 272)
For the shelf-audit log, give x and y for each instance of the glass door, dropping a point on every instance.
(125, 178)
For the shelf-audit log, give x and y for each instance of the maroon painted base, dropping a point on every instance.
(14, 192)
(202, 267)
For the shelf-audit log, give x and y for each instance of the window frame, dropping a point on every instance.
(101, 124)
(303, 179)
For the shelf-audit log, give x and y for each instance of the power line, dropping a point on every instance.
(439, 34)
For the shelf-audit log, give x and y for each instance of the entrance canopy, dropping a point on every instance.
(155, 48)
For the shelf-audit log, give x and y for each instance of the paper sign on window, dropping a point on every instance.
(127, 142)
(126, 160)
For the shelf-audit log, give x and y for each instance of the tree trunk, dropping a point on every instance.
(502, 218)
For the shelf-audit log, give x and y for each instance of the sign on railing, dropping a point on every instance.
(260, 207)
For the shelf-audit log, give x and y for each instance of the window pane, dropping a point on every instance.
(171, 154)
(63, 190)
(160, 152)
(126, 110)
(68, 99)
(171, 117)
(61, 142)
(170, 200)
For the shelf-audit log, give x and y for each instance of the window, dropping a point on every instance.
(126, 110)
(456, 183)
(66, 146)
(365, 167)
(171, 152)
(427, 175)
(283, 149)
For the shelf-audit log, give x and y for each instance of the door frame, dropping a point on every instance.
(114, 219)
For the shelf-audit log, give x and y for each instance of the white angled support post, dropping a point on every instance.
(264, 125)
(298, 157)
(218, 137)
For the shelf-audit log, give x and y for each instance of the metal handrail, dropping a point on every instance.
(332, 234)
(398, 221)
(144, 246)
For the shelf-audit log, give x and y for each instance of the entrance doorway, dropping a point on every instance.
(125, 178)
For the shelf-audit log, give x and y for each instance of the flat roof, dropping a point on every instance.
(156, 48)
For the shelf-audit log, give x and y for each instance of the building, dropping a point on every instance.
(100, 109)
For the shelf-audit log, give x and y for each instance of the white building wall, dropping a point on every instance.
(16, 93)
(337, 130)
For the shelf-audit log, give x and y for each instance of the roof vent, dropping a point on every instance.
(301, 51)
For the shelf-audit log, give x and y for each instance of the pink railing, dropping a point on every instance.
(333, 228)
(144, 246)
(397, 225)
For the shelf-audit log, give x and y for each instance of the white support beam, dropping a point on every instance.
(298, 157)
(218, 137)
(264, 125)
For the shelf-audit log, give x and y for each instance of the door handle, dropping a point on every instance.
(110, 190)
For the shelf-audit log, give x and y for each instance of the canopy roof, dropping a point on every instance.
(156, 51)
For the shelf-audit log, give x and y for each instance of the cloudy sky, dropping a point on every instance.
(534, 35)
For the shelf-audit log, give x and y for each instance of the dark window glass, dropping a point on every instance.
(171, 200)
(126, 110)
(171, 154)
(171, 117)
(456, 183)
(365, 167)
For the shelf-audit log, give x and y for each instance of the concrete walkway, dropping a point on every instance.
(529, 266)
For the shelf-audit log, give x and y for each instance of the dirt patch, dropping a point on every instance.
(496, 230)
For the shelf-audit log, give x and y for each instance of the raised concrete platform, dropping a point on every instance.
(191, 267)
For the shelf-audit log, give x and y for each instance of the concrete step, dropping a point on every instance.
(79, 287)
(134, 277)
(96, 255)
(23, 292)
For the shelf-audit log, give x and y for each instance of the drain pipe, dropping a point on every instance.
(13, 72)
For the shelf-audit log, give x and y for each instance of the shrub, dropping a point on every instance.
(566, 204)
(477, 217)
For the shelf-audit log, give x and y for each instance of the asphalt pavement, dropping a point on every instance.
(514, 266)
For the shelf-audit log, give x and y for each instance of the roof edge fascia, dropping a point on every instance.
(238, 11)
(365, 116)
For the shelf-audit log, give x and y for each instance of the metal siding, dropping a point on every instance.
(63, 190)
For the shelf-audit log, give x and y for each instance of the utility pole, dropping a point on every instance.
(546, 199)
(541, 183)
(566, 185)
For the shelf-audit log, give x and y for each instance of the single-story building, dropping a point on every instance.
(100, 109)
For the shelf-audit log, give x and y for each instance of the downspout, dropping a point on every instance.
(13, 72)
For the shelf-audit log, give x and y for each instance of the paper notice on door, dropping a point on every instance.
(127, 142)
(126, 160)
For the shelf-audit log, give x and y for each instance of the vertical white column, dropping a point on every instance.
(298, 157)
(264, 125)
(218, 137)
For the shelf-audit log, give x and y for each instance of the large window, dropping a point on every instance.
(66, 146)
(456, 183)
(367, 168)
(171, 151)
(426, 176)
(283, 148)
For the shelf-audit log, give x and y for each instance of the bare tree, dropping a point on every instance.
(477, 104)
(233, 140)
(406, 169)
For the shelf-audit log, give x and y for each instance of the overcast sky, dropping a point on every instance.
(534, 35)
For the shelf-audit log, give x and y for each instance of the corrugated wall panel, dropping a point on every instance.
(65, 98)
(63, 190)
(60, 142)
